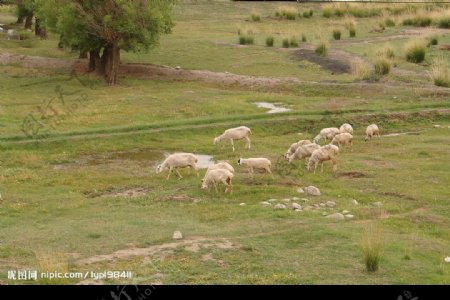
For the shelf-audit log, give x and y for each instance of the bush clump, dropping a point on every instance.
(382, 67)
(336, 34)
(270, 41)
(418, 21)
(322, 48)
(440, 71)
(415, 52)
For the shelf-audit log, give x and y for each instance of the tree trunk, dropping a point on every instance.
(94, 60)
(20, 19)
(83, 54)
(39, 30)
(29, 21)
(111, 62)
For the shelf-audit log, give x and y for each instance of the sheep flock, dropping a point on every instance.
(312, 153)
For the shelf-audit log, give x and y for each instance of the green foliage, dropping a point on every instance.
(270, 41)
(418, 21)
(339, 12)
(293, 42)
(444, 22)
(440, 71)
(415, 52)
(246, 39)
(433, 42)
(359, 12)
(285, 43)
(322, 48)
(303, 37)
(307, 14)
(389, 22)
(382, 67)
(336, 34)
(327, 12)
(287, 12)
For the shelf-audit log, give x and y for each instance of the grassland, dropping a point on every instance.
(58, 210)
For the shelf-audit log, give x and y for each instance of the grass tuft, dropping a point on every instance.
(322, 48)
(440, 71)
(336, 34)
(415, 52)
(270, 41)
(371, 248)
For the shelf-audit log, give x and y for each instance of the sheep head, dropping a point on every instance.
(216, 140)
(239, 161)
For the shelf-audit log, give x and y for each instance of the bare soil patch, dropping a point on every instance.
(330, 63)
(352, 174)
(117, 192)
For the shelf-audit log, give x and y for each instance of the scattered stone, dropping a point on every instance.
(322, 204)
(316, 205)
(349, 216)
(312, 190)
(296, 206)
(177, 235)
(177, 67)
(286, 200)
(345, 212)
(272, 200)
(265, 203)
(355, 202)
(295, 198)
(280, 206)
(300, 190)
(437, 126)
(242, 204)
(331, 203)
(377, 204)
(447, 259)
(298, 210)
(336, 217)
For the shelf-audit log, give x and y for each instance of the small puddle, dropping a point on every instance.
(272, 108)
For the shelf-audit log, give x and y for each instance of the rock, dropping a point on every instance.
(437, 126)
(447, 259)
(312, 190)
(331, 203)
(300, 190)
(272, 200)
(295, 198)
(377, 204)
(316, 205)
(345, 212)
(242, 204)
(322, 204)
(177, 235)
(296, 206)
(298, 210)
(286, 200)
(349, 216)
(177, 67)
(280, 206)
(265, 203)
(355, 202)
(336, 217)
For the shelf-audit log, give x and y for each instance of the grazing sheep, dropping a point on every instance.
(327, 152)
(220, 165)
(232, 134)
(327, 134)
(213, 177)
(295, 146)
(303, 152)
(343, 139)
(371, 131)
(346, 128)
(178, 160)
(256, 163)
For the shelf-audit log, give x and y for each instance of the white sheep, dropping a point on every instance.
(256, 163)
(343, 139)
(178, 160)
(371, 131)
(304, 151)
(295, 146)
(213, 177)
(232, 134)
(220, 165)
(327, 134)
(325, 153)
(346, 128)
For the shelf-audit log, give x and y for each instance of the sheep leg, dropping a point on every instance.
(232, 144)
(170, 172)
(333, 160)
(179, 175)
(215, 187)
(248, 143)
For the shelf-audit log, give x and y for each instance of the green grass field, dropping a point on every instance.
(63, 204)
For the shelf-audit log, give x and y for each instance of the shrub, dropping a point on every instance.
(444, 22)
(339, 12)
(440, 71)
(311, 12)
(24, 35)
(256, 17)
(362, 70)
(336, 34)
(371, 251)
(386, 52)
(246, 39)
(382, 67)
(285, 43)
(433, 42)
(418, 21)
(389, 22)
(327, 12)
(322, 48)
(269, 41)
(352, 32)
(293, 42)
(306, 14)
(303, 37)
(287, 12)
(364, 13)
(415, 52)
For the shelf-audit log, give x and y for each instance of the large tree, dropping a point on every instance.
(107, 27)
